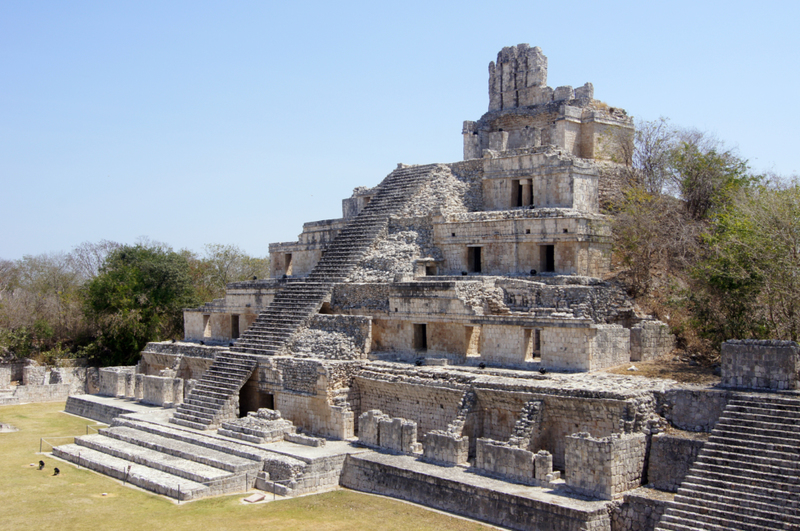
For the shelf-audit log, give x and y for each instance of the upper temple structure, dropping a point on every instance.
(444, 342)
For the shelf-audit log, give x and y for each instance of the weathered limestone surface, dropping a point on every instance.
(671, 456)
(605, 468)
(752, 364)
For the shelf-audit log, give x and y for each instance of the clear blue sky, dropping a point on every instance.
(234, 122)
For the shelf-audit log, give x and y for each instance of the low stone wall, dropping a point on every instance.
(604, 468)
(15, 366)
(376, 474)
(507, 462)
(671, 458)
(5, 377)
(104, 413)
(445, 448)
(640, 510)
(42, 393)
(650, 339)
(751, 364)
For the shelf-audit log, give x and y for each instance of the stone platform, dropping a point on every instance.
(457, 490)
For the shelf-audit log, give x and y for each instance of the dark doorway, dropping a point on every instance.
(287, 263)
(548, 258)
(234, 326)
(420, 337)
(474, 259)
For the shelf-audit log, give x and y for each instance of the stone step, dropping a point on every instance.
(724, 521)
(741, 488)
(695, 486)
(139, 455)
(674, 526)
(725, 502)
(207, 456)
(738, 470)
(734, 449)
(740, 511)
(139, 475)
(190, 423)
(757, 428)
(675, 523)
(725, 455)
(197, 439)
(729, 434)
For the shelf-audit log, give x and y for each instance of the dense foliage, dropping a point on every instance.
(704, 243)
(105, 300)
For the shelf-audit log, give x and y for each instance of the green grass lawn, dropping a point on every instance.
(35, 499)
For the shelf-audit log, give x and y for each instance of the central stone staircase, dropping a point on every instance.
(215, 397)
(747, 477)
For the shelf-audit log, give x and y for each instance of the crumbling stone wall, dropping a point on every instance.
(604, 467)
(752, 364)
(693, 409)
(430, 405)
(445, 448)
(335, 337)
(504, 461)
(671, 457)
(640, 510)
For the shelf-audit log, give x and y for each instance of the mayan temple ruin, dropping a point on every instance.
(443, 343)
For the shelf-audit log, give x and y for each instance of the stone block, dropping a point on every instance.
(445, 448)
(752, 364)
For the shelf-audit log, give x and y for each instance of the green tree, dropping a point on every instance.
(138, 296)
(748, 284)
(222, 264)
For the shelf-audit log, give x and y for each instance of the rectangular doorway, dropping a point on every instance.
(474, 259)
(287, 263)
(547, 258)
(234, 326)
(421, 337)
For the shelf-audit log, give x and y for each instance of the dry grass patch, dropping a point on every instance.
(668, 367)
(74, 500)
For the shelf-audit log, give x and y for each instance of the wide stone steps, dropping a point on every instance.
(748, 513)
(723, 500)
(747, 477)
(199, 454)
(142, 476)
(177, 466)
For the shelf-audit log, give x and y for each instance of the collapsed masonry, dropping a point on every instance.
(455, 316)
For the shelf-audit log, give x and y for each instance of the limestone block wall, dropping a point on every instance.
(5, 377)
(585, 349)
(671, 457)
(503, 344)
(42, 392)
(693, 409)
(368, 429)
(16, 367)
(445, 448)
(188, 360)
(604, 467)
(162, 391)
(35, 375)
(558, 181)
(431, 407)
(513, 242)
(499, 410)
(640, 510)
(507, 462)
(398, 435)
(117, 381)
(650, 339)
(752, 364)
(316, 415)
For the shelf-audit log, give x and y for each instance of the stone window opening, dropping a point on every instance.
(421, 337)
(234, 326)
(474, 259)
(206, 325)
(430, 270)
